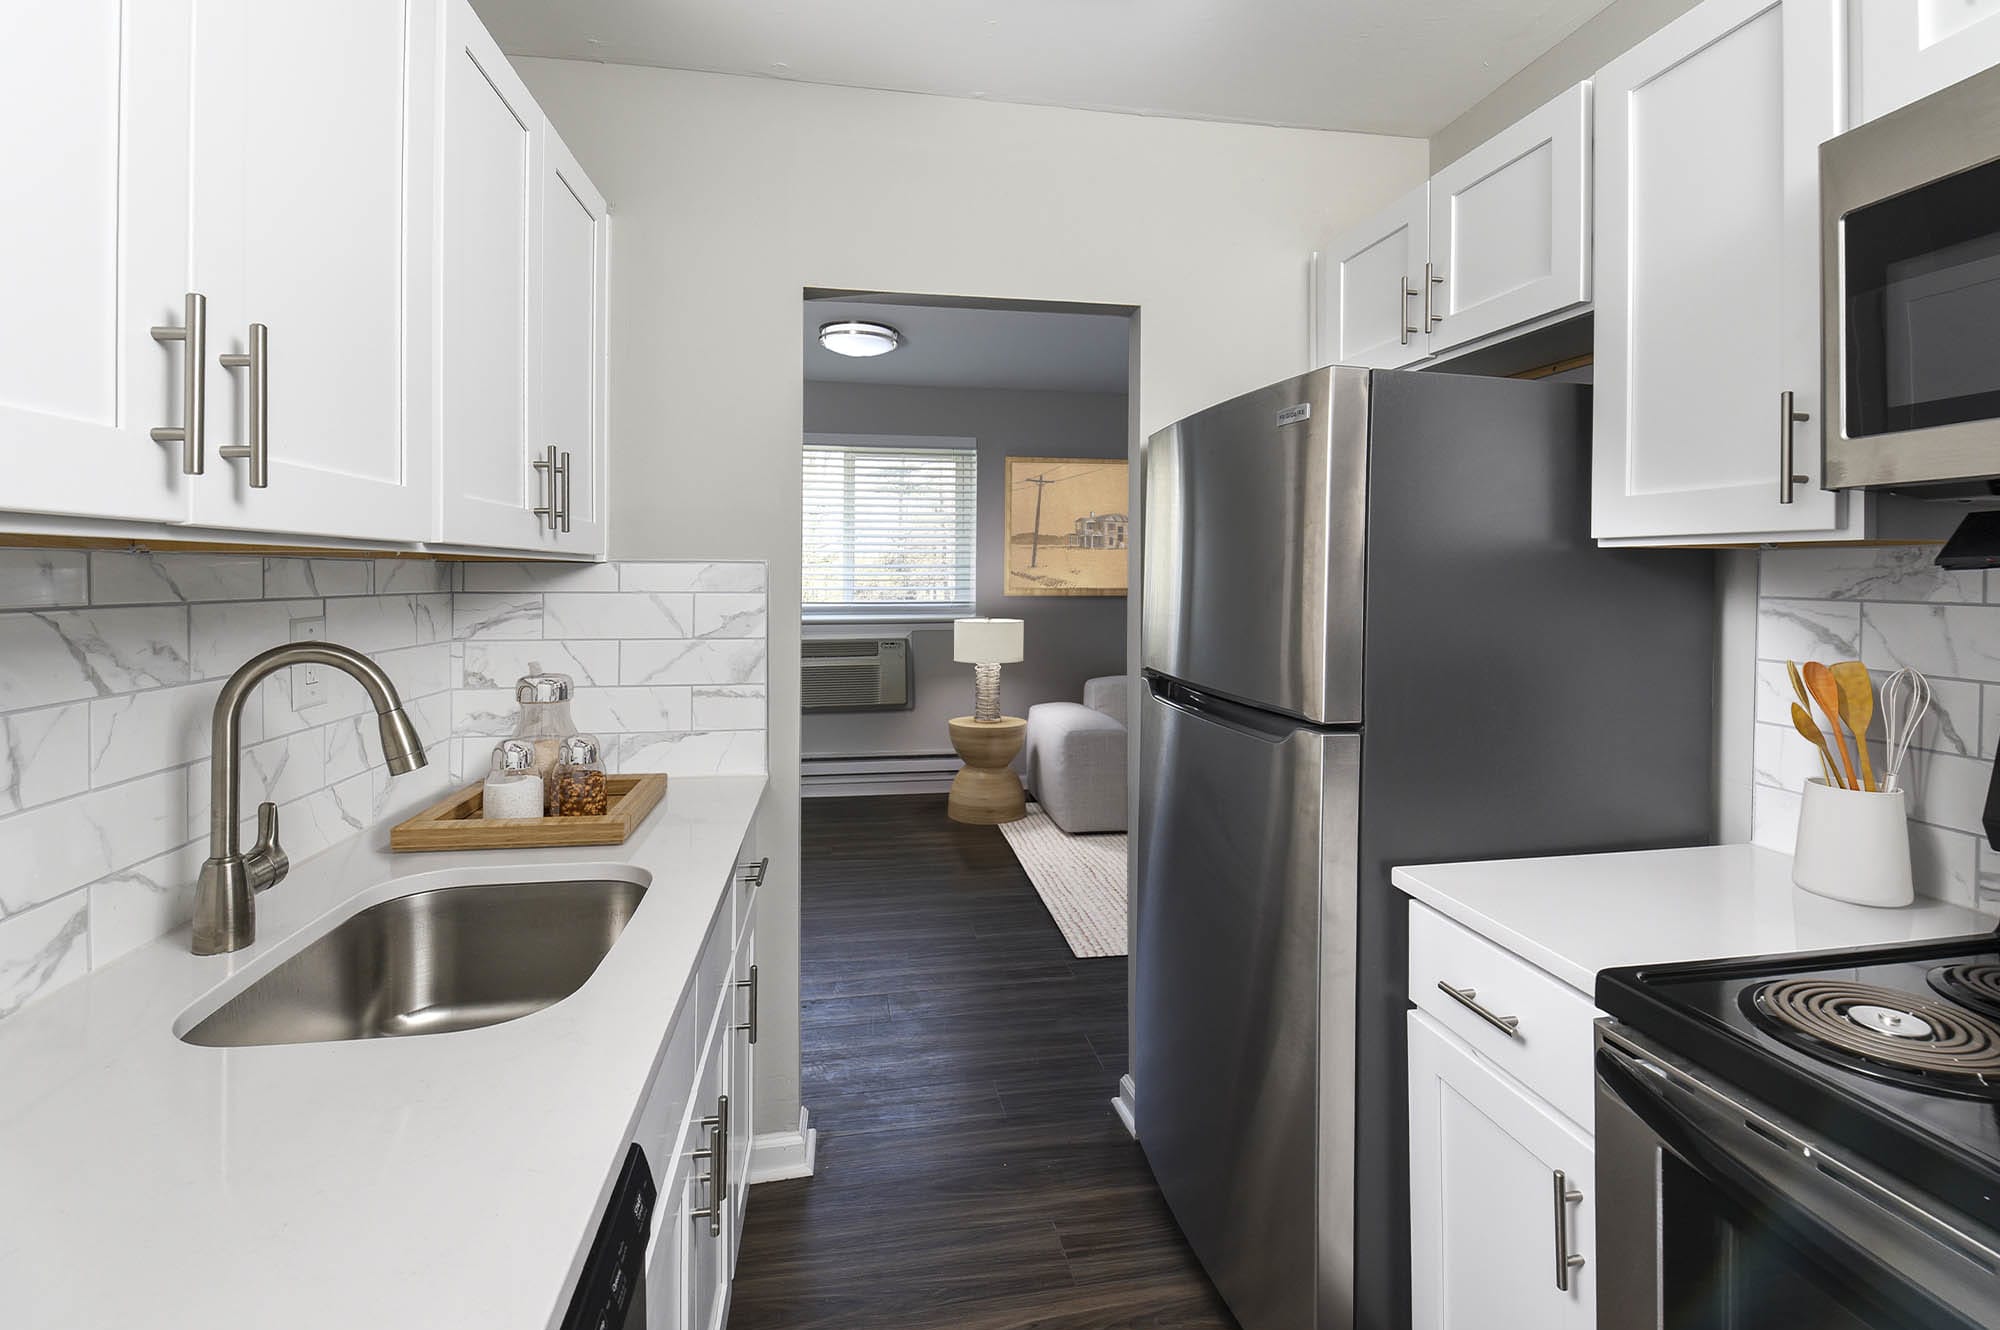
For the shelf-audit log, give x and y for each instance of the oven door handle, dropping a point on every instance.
(1863, 1278)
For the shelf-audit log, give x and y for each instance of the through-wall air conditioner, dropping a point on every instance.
(855, 674)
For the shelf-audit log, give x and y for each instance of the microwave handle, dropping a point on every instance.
(1788, 416)
(1713, 1134)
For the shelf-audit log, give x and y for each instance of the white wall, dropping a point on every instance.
(730, 196)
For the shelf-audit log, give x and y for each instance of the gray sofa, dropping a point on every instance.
(1076, 757)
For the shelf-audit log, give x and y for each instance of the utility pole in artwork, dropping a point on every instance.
(1040, 483)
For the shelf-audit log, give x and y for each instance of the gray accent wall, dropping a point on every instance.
(1069, 638)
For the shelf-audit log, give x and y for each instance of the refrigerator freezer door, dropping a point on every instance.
(1253, 547)
(1244, 1004)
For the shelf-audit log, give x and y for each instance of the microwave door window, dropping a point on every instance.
(1923, 306)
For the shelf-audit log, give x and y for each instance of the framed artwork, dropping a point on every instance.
(1066, 527)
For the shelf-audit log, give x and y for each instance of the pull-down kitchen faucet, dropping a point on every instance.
(225, 912)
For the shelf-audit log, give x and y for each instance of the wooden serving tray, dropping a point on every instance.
(454, 823)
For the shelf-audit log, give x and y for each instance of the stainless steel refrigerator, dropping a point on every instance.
(1375, 631)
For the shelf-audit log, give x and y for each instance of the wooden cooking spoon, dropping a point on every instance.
(1826, 691)
(1857, 708)
(1802, 721)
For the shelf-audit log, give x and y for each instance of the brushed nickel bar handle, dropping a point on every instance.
(551, 509)
(1566, 1261)
(1403, 311)
(192, 430)
(1432, 280)
(562, 474)
(1787, 417)
(717, 1155)
(754, 873)
(750, 1026)
(258, 451)
(1465, 997)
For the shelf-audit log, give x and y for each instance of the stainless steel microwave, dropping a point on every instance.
(1910, 296)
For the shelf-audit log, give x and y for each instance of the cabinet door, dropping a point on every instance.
(1906, 49)
(312, 217)
(1485, 1218)
(1707, 274)
(1510, 225)
(742, 1086)
(94, 204)
(1371, 308)
(570, 387)
(489, 170)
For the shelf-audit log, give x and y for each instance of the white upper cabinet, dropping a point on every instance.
(1907, 49)
(1707, 277)
(1500, 1198)
(94, 206)
(1510, 225)
(570, 401)
(524, 241)
(312, 219)
(492, 137)
(1371, 302)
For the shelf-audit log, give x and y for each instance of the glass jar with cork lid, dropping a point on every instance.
(544, 723)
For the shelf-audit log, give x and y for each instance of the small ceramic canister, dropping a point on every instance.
(1854, 845)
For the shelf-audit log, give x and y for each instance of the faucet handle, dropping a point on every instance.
(267, 861)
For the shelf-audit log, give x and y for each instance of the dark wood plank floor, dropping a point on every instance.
(959, 1064)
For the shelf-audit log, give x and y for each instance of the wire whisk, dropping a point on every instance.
(1906, 697)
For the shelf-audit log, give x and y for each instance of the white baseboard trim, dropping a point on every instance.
(775, 1156)
(1126, 1106)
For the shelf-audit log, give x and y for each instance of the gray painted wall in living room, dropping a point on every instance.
(1069, 638)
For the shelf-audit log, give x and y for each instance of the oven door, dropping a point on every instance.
(1713, 1213)
(1910, 257)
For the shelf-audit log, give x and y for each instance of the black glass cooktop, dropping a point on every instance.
(1890, 1054)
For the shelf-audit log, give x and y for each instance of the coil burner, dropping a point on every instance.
(1975, 984)
(1936, 1046)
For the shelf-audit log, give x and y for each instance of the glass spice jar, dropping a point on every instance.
(512, 789)
(544, 723)
(582, 789)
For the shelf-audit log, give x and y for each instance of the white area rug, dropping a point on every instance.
(1080, 878)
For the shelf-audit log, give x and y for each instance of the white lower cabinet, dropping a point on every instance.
(706, 1087)
(1707, 410)
(1501, 1230)
(1907, 49)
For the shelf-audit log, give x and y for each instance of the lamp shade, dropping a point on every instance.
(986, 641)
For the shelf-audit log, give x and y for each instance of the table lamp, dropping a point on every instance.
(986, 645)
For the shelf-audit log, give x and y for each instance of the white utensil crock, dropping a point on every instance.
(1854, 845)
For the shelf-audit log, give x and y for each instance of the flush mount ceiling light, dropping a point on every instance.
(858, 337)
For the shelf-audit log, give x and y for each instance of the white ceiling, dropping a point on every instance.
(946, 347)
(1381, 66)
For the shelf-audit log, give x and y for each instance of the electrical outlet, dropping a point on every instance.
(308, 681)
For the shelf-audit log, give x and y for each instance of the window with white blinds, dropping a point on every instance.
(889, 525)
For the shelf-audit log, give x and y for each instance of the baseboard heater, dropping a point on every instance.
(902, 773)
(854, 674)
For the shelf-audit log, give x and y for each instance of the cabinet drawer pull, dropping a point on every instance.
(1466, 997)
(717, 1155)
(1566, 1261)
(551, 510)
(750, 1026)
(754, 873)
(1788, 417)
(1403, 311)
(258, 451)
(1432, 281)
(194, 390)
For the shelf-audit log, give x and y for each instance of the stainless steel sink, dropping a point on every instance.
(454, 958)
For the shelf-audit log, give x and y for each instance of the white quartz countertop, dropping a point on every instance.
(448, 1180)
(1576, 915)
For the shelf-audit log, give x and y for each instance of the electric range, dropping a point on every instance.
(1808, 1140)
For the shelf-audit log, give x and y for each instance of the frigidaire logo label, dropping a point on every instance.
(1292, 415)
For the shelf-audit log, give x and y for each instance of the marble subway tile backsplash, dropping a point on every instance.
(110, 663)
(1888, 607)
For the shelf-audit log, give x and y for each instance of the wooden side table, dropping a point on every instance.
(986, 791)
